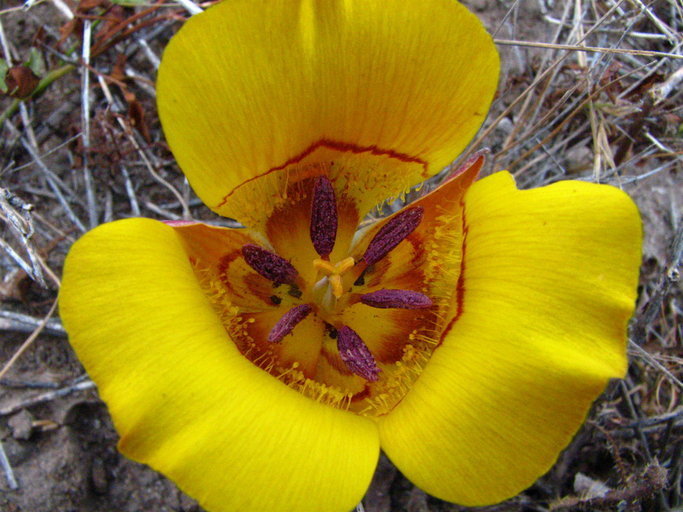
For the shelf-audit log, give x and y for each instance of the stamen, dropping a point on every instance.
(323, 217)
(392, 233)
(288, 322)
(402, 299)
(356, 355)
(268, 264)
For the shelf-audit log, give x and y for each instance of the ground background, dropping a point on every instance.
(613, 117)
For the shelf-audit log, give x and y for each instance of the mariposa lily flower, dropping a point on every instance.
(263, 369)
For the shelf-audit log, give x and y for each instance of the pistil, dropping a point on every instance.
(334, 273)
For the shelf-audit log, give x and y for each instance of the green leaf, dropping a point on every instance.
(3, 71)
(130, 3)
(35, 62)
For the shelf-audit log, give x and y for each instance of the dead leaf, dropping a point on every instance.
(136, 116)
(589, 488)
(21, 81)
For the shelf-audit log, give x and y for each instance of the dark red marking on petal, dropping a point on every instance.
(401, 299)
(361, 395)
(323, 217)
(477, 159)
(356, 355)
(288, 322)
(268, 264)
(331, 331)
(392, 233)
(339, 146)
(294, 291)
(245, 288)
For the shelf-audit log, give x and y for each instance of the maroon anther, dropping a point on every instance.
(400, 299)
(323, 217)
(392, 233)
(356, 355)
(288, 322)
(268, 264)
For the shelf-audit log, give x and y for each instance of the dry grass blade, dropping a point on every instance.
(28, 341)
(594, 49)
(85, 123)
(7, 469)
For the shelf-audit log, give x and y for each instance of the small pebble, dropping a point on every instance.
(21, 425)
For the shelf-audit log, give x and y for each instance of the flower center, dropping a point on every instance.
(347, 319)
(326, 292)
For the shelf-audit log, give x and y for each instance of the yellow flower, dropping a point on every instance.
(263, 369)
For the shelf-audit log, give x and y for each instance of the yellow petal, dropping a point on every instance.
(250, 88)
(184, 400)
(549, 285)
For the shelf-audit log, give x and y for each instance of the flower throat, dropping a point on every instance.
(352, 332)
